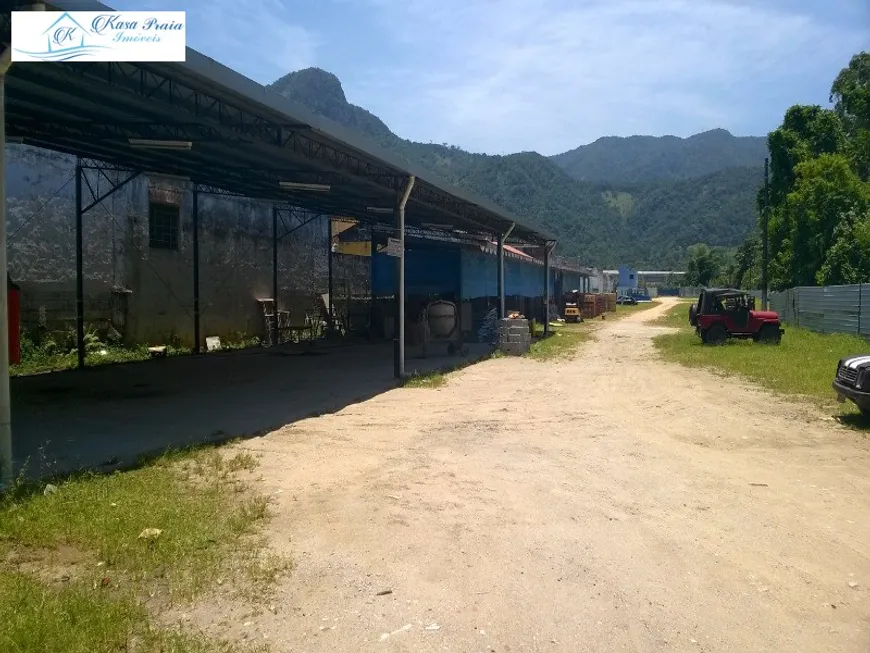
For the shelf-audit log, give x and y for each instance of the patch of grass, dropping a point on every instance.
(432, 380)
(803, 365)
(191, 501)
(94, 529)
(39, 362)
(75, 619)
(677, 317)
(561, 343)
(438, 378)
(242, 461)
(56, 351)
(239, 340)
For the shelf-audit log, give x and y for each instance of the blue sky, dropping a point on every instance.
(501, 76)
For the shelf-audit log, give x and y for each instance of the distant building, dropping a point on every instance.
(616, 280)
(627, 280)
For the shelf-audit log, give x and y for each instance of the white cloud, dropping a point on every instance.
(508, 75)
(257, 38)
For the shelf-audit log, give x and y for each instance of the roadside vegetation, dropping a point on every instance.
(90, 563)
(562, 341)
(803, 365)
(678, 316)
(43, 351)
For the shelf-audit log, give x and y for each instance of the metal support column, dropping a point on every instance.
(373, 250)
(502, 310)
(400, 298)
(765, 216)
(80, 279)
(6, 468)
(330, 304)
(274, 325)
(547, 251)
(6, 472)
(196, 318)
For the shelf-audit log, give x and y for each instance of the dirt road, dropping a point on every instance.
(609, 503)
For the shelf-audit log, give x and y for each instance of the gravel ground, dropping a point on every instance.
(613, 502)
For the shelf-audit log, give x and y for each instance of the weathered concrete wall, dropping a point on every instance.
(41, 239)
(235, 255)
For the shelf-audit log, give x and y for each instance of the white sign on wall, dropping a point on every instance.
(393, 247)
(71, 36)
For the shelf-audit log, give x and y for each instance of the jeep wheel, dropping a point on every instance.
(715, 335)
(693, 315)
(769, 335)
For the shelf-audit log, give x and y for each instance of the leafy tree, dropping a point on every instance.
(826, 190)
(704, 265)
(850, 94)
(747, 261)
(848, 260)
(806, 132)
(819, 167)
(728, 276)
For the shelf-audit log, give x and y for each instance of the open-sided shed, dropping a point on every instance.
(226, 134)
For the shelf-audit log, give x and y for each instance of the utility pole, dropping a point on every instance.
(765, 215)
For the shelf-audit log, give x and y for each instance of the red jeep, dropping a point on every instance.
(724, 313)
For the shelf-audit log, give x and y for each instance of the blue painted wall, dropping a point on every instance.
(627, 279)
(480, 276)
(427, 271)
(571, 281)
(443, 270)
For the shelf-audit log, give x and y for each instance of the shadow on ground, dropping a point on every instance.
(855, 421)
(106, 417)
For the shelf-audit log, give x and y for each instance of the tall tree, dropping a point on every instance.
(848, 260)
(704, 265)
(826, 190)
(850, 94)
(820, 164)
(806, 132)
(748, 263)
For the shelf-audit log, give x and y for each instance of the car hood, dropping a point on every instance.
(856, 362)
(765, 315)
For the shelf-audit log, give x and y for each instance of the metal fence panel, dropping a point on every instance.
(831, 309)
(827, 309)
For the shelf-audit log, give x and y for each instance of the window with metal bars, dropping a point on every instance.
(163, 226)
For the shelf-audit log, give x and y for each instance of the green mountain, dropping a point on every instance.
(717, 209)
(635, 216)
(321, 92)
(636, 159)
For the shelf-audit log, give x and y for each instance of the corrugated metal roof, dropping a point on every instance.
(257, 139)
